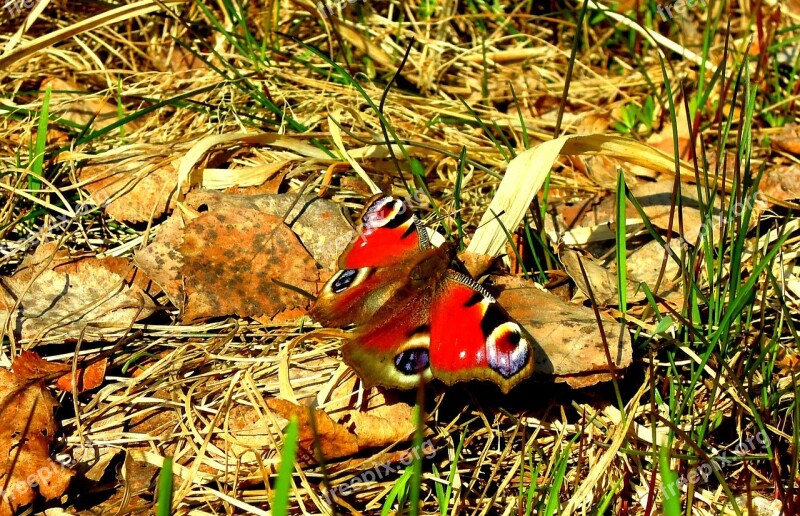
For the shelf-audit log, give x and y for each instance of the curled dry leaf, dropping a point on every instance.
(90, 377)
(782, 183)
(239, 261)
(334, 439)
(345, 429)
(134, 185)
(788, 140)
(568, 342)
(54, 298)
(27, 431)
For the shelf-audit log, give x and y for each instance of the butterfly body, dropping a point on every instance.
(416, 318)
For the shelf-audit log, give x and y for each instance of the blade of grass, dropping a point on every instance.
(671, 503)
(283, 485)
(621, 245)
(165, 488)
(37, 158)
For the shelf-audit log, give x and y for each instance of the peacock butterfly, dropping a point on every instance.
(415, 317)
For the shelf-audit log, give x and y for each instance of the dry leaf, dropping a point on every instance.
(265, 178)
(344, 428)
(602, 280)
(26, 432)
(89, 377)
(476, 264)
(602, 170)
(526, 173)
(781, 183)
(656, 199)
(61, 300)
(162, 260)
(644, 265)
(317, 222)
(664, 140)
(136, 187)
(243, 262)
(381, 418)
(568, 343)
(788, 140)
(334, 439)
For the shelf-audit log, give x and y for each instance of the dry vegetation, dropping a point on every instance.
(115, 183)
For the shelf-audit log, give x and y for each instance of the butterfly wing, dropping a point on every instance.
(472, 336)
(389, 240)
(394, 352)
(388, 233)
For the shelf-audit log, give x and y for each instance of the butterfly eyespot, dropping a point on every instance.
(387, 212)
(506, 349)
(412, 361)
(344, 280)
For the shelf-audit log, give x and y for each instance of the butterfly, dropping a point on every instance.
(415, 317)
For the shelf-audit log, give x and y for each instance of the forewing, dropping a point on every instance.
(389, 244)
(388, 233)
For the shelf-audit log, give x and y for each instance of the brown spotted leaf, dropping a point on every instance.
(27, 429)
(243, 262)
(318, 223)
(162, 260)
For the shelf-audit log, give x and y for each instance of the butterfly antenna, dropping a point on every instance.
(381, 104)
(443, 216)
(496, 217)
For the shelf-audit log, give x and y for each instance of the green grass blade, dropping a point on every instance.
(621, 245)
(283, 485)
(165, 487)
(37, 163)
(669, 481)
(559, 477)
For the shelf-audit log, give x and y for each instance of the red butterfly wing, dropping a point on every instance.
(472, 336)
(388, 233)
(374, 266)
